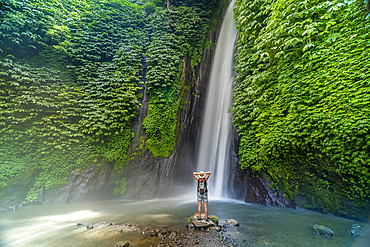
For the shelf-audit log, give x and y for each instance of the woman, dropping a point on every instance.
(202, 192)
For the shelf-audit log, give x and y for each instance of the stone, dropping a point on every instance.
(122, 244)
(89, 226)
(231, 222)
(215, 228)
(79, 224)
(323, 230)
(191, 225)
(193, 221)
(362, 230)
(355, 229)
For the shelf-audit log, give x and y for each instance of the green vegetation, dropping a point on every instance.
(69, 81)
(68, 76)
(176, 33)
(121, 187)
(301, 102)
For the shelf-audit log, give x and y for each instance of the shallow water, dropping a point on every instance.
(55, 225)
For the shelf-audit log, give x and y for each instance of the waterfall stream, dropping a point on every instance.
(215, 141)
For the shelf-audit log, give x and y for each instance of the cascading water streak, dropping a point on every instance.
(214, 142)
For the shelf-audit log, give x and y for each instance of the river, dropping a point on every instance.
(55, 225)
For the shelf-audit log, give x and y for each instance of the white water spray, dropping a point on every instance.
(214, 142)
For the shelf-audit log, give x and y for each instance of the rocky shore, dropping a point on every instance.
(209, 234)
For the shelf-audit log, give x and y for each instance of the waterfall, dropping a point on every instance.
(215, 141)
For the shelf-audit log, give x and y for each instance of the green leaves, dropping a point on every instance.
(121, 187)
(300, 100)
(69, 74)
(69, 77)
(176, 33)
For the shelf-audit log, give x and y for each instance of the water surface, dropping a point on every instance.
(55, 225)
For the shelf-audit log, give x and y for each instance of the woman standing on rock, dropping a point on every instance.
(202, 178)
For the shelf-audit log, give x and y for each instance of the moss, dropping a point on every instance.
(215, 220)
(190, 219)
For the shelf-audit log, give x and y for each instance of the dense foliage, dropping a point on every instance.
(68, 76)
(302, 102)
(176, 33)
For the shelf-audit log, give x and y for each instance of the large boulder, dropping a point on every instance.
(193, 221)
(323, 230)
(231, 222)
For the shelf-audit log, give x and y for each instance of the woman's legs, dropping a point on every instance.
(199, 208)
(206, 209)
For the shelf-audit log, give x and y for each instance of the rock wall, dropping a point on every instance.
(94, 183)
(248, 185)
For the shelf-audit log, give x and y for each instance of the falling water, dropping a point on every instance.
(214, 142)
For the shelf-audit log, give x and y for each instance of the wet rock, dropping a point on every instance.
(191, 225)
(193, 221)
(91, 184)
(110, 224)
(122, 244)
(323, 230)
(362, 230)
(215, 228)
(90, 226)
(11, 207)
(79, 224)
(355, 229)
(231, 222)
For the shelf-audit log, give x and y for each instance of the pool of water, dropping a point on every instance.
(55, 225)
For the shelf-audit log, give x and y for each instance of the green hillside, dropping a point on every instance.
(302, 102)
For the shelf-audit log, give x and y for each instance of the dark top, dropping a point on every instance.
(205, 183)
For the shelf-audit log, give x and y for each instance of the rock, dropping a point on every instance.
(11, 208)
(355, 229)
(193, 221)
(79, 224)
(122, 244)
(323, 230)
(362, 230)
(89, 226)
(231, 222)
(191, 225)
